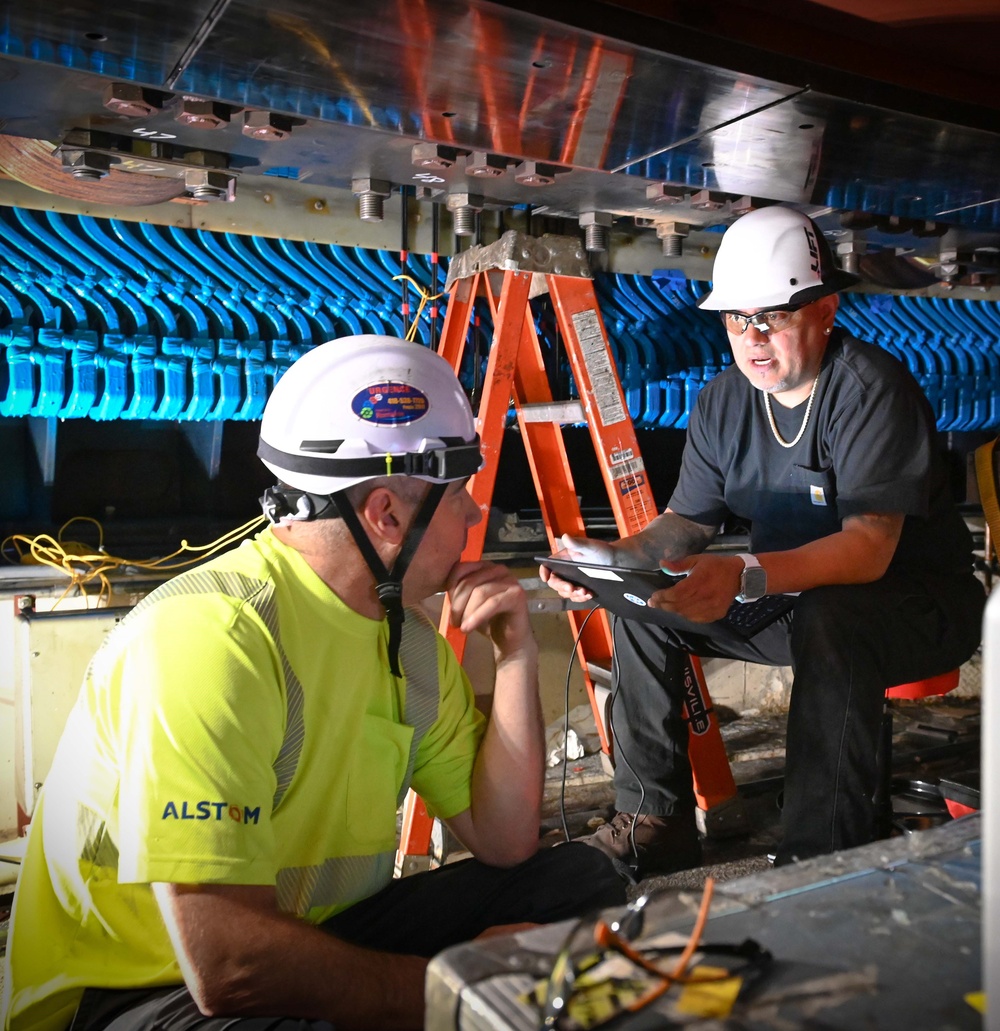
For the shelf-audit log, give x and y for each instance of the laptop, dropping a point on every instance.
(626, 592)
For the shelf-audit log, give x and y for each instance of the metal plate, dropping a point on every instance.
(635, 102)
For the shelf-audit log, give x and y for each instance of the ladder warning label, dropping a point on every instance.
(597, 358)
(625, 468)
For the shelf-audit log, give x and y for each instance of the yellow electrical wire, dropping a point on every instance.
(425, 299)
(82, 564)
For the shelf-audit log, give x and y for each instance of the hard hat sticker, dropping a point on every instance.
(389, 404)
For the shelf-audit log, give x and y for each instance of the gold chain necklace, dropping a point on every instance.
(805, 419)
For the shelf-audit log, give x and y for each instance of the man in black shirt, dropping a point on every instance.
(827, 447)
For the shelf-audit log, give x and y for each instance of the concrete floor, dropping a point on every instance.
(932, 739)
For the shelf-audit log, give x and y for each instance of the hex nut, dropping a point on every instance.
(476, 201)
(485, 166)
(85, 164)
(664, 193)
(379, 187)
(707, 200)
(129, 100)
(595, 218)
(535, 173)
(434, 155)
(203, 114)
(266, 125)
(210, 184)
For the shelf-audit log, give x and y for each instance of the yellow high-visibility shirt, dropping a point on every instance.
(240, 726)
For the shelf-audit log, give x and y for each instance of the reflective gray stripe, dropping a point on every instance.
(339, 879)
(333, 882)
(259, 595)
(96, 845)
(418, 656)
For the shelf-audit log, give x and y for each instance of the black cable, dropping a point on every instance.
(619, 751)
(565, 762)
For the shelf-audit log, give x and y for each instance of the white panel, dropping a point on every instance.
(51, 656)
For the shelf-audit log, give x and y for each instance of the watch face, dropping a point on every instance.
(754, 583)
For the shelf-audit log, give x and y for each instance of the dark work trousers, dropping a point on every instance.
(846, 645)
(419, 915)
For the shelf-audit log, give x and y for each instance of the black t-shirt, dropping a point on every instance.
(870, 445)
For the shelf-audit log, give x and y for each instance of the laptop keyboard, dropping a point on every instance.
(748, 618)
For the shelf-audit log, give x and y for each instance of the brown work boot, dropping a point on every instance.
(658, 844)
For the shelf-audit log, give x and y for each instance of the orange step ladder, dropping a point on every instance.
(509, 273)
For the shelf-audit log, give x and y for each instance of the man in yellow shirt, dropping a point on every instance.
(214, 842)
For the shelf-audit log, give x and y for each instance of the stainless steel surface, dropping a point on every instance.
(595, 111)
(883, 936)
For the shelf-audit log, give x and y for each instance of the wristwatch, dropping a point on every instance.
(753, 579)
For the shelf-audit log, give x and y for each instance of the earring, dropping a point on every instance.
(828, 330)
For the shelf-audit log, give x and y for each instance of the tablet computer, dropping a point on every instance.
(620, 589)
(626, 592)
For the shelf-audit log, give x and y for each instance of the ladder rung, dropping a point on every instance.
(558, 411)
(599, 674)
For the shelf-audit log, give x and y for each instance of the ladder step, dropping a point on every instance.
(556, 411)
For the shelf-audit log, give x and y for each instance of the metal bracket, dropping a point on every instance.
(518, 252)
(725, 820)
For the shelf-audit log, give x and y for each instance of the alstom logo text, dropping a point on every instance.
(210, 811)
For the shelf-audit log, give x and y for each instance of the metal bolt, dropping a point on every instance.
(203, 114)
(535, 173)
(210, 185)
(463, 208)
(485, 166)
(595, 225)
(85, 164)
(433, 155)
(672, 235)
(371, 194)
(25, 602)
(265, 125)
(130, 100)
(849, 250)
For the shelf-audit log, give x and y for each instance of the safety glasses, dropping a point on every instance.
(774, 320)
(578, 998)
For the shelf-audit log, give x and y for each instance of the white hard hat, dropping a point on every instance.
(360, 407)
(772, 257)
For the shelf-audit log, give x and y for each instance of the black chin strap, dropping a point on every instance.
(389, 583)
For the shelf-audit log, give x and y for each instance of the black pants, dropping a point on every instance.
(419, 915)
(846, 645)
